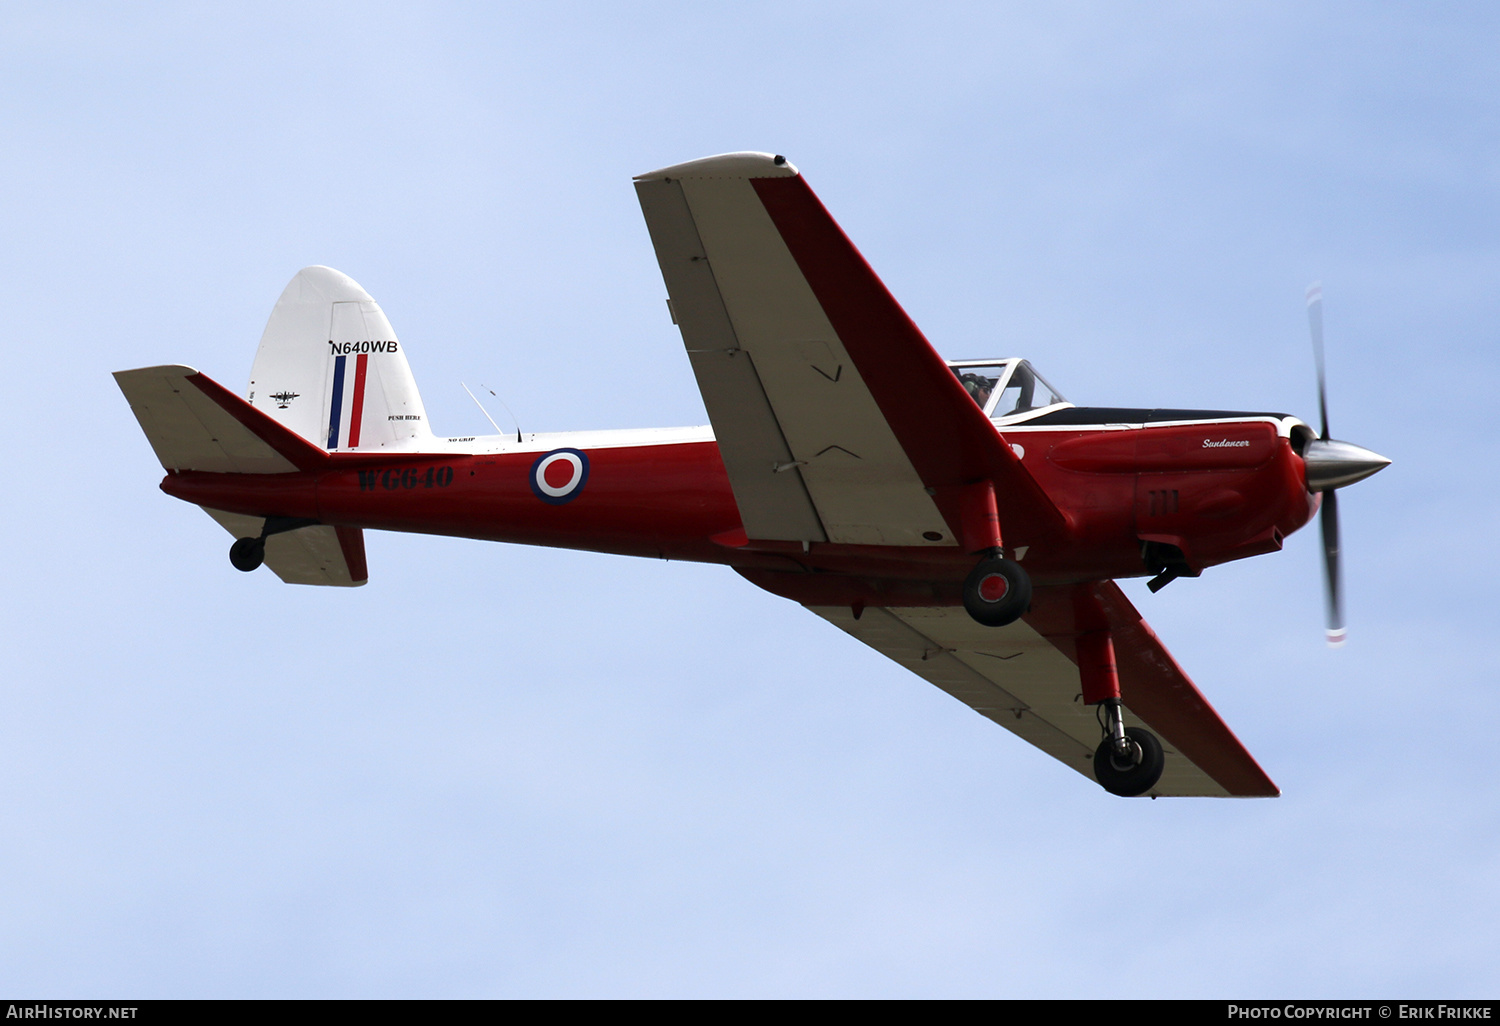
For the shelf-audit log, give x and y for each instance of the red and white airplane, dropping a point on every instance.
(961, 518)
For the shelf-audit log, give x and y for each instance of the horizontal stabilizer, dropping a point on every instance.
(194, 423)
(320, 554)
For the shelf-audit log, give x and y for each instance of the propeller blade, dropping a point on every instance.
(1332, 575)
(1315, 324)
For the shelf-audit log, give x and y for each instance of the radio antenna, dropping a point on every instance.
(487, 412)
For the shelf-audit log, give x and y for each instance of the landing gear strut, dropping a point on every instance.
(997, 591)
(1129, 761)
(248, 554)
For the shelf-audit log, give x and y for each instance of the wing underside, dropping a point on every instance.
(1023, 677)
(809, 453)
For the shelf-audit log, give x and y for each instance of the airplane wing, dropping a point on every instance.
(836, 419)
(1024, 677)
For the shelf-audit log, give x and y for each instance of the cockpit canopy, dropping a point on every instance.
(1008, 390)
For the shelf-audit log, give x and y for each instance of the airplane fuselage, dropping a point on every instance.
(1204, 488)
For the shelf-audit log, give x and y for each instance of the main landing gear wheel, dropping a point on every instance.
(1133, 771)
(248, 553)
(997, 592)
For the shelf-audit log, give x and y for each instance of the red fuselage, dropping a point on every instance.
(1214, 488)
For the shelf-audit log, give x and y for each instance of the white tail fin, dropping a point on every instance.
(330, 368)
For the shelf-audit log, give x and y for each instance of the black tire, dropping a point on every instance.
(997, 592)
(1138, 777)
(247, 554)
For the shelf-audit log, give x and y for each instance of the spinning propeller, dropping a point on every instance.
(1331, 465)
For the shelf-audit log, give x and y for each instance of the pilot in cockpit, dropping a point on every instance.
(1005, 388)
(979, 387)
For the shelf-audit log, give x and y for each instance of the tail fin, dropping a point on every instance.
(330, 368)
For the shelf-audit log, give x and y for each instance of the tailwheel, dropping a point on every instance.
(997, 591)
(248, 553)
(1129, 764)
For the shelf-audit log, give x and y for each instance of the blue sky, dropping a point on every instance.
(498, 771)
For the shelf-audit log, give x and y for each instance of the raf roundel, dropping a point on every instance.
(558, 476)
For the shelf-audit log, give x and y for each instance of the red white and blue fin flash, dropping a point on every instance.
(346, 405)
